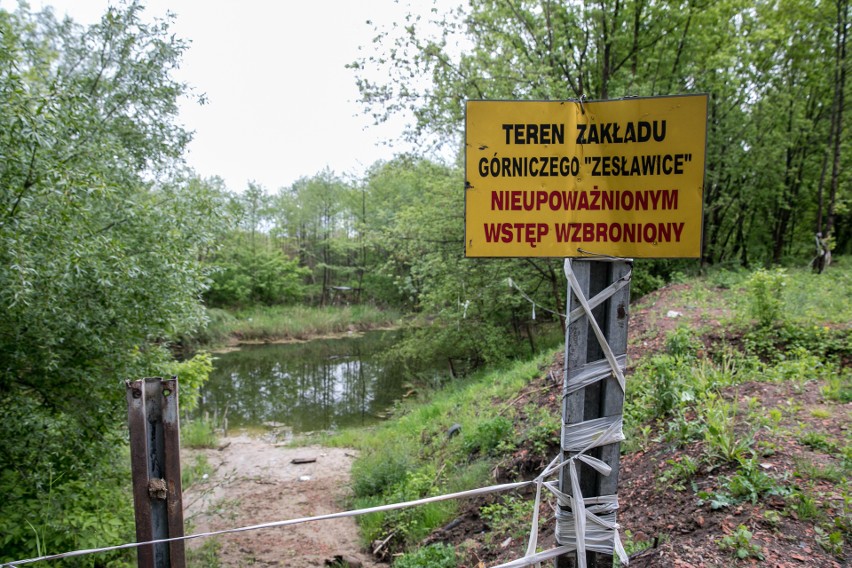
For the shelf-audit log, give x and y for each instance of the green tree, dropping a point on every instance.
(99, 263)
(314, 219)
(415, 228)
(775, 72)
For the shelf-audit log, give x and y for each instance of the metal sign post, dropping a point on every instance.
(597, 181)
(152, 411)
(602, 397)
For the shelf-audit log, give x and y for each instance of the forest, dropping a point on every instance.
(115, 256)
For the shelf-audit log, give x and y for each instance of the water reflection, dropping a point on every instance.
(309, 386)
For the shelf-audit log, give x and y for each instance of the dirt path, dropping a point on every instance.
(255, 482)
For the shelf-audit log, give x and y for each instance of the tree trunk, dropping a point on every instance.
(837, 126)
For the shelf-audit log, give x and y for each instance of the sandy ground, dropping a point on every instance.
(255, 482)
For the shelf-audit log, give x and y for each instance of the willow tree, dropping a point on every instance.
(98, 262)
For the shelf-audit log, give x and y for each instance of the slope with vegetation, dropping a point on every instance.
(737, 422)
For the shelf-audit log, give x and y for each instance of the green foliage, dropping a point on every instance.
(438, 555)
(508, 516)
(750, 483)
(101, 234)
(87, 510)
(198, 433)
(740, 544)
(192, 374)
(471, 316)
(830, 540)
(718, 500)
(262, 276)
(372, 475)
(410, 525)
(723, 440)
(682, 344)
(543, 431)
(490, 436)
(398, 458)
(678, 473)
(642, 282)
(803, 504)
(838, 387)
(766, 296)
(820, 442)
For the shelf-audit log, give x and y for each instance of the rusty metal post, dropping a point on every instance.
(603, 398)
(152, 412)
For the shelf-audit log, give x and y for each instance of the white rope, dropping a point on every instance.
(330, 516)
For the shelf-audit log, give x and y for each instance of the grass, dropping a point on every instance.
(293, 322)
(198, 433)
(413, 455)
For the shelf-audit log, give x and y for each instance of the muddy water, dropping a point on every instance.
(316, 385)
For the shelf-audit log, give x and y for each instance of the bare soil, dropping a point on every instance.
(254, 482)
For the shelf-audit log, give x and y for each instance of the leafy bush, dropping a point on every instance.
(682, 343)
(198, 433)
(373, 475)
(191, 374)
(766, 296)
(242, 276)
(489, 435)
(437, 555)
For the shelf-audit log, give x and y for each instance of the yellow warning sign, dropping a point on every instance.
(566, 179)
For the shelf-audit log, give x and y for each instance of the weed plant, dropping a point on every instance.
(437, 555)
(509, 516)
(198, 433)
(741, 544)
(683, 395)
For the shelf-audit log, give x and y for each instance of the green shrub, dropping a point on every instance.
(198, 433)
(437, 555)
(489, 435)
(375, 474)
(766, 296)
(254, 276)
(682, 343)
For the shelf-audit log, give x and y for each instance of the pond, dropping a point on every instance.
(316, 385)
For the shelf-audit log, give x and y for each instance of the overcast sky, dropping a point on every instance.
(281, 103)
